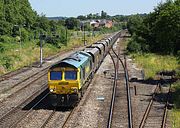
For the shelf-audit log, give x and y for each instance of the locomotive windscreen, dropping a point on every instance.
(70, 75)
(55, 75)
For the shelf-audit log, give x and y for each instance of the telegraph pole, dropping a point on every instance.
(66, 36)
(84, 35)
(41, 41)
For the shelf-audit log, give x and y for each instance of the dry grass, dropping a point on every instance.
(175, 113)
(152, 63)
(175, 118)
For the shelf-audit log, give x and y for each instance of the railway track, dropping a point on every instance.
(63, 122)
(17, 89)
(120, 97)
(32, 78)
(116, 66)
(166, 109)
(16, 114)
(48, 119)
(11, 74)
(20, 86)
(156, 111)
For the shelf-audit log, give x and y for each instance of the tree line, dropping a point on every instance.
(157, 32)
(19, 22)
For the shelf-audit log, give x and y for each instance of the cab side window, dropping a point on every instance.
(84, 72)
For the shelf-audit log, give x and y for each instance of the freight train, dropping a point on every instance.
(67, 78)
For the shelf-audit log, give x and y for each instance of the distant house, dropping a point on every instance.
(109, 24)
(94, 23)
(100, 23)
(106, 23)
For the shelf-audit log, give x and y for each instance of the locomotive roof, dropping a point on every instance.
(75, 60)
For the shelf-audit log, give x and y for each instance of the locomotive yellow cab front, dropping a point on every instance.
(66, 78)
(63, 81)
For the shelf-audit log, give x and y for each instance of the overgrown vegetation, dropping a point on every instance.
(175, 113)
(152, 63)
(158, 31)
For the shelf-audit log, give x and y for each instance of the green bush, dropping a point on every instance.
(176, 94)
(54, 40)
(6, 39)
(7, 62)
(2, 49)
(24, 34)
(133, 46)
(5, 28)
(177, 73)
(178, 56)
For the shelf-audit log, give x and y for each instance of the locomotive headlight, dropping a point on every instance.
(75, 90)
(51, 90)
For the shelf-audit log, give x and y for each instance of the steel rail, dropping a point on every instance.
(13, 73)
(165, 116)
(148, 108)
(130, 121)
(35, 79)
(67, 119)
(43, 74)
(48, 119)
(30, 110)
(163, 125)
(39, 91)
(113, 94)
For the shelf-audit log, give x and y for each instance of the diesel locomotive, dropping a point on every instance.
(67, 78)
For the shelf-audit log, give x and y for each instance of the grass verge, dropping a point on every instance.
(175, 113)
(152, 63)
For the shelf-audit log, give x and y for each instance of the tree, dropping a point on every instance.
(71, 23)
(167, 26)
(90, 16)
(53, 25)
(103, 15)
(81, 17)
(160, 29)
(134, 23)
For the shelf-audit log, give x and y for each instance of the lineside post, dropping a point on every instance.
(42, 37)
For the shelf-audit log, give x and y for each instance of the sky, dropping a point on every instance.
(74, 8)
